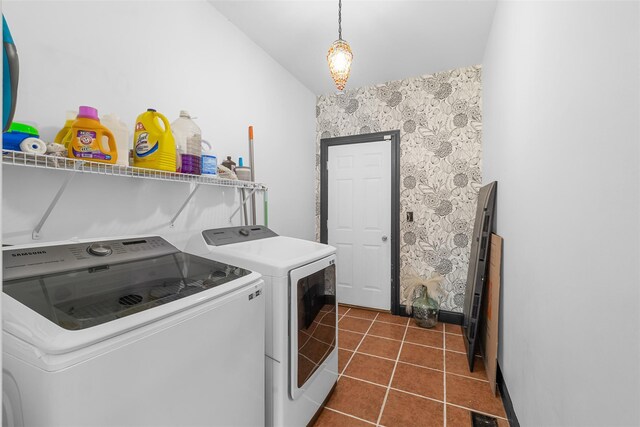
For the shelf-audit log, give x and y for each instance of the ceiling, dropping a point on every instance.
(391, 39)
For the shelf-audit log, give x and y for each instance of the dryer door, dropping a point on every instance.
(312, 321)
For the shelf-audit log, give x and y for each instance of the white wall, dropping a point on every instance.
(561, 110)
(123, 57)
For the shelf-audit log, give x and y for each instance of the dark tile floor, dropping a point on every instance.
(393, 373)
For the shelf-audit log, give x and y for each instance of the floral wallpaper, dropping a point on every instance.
(440, 121)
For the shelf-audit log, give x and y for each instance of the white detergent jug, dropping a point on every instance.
(189, 143)
(120, 131)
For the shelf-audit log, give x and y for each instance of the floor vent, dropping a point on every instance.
(480, 420)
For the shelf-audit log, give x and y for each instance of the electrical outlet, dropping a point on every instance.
(409, 216)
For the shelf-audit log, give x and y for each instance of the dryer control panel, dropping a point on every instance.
(229, 235)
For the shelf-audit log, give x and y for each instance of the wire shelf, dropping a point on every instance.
(19, 158)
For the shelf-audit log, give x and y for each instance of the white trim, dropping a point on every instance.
(444, 374)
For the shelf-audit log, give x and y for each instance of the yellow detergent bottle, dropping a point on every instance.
(153, 144)
(87, 136)
(64, 135)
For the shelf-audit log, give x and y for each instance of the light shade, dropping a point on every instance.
(339, 58)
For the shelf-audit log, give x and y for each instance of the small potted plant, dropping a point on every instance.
(423, 299)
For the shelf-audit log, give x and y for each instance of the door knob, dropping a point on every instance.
(384, 238)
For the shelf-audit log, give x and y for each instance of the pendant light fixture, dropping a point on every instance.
(340, 56)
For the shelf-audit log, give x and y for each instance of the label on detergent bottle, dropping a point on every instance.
(143, 146)
(88, 139)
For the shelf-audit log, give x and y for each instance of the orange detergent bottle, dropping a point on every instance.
(90, 140)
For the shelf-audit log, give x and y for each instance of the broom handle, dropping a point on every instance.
(253, 175)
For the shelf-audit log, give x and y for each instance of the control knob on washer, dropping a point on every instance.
(99, 249)
(244, 232)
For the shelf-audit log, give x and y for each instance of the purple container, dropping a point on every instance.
(191, 164)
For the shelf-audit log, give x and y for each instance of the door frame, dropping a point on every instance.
(393, 137)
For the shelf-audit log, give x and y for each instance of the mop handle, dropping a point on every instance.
(253, 175)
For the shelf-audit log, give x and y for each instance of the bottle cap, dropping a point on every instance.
(184, 113)
(151, 109)
(88, 112)
(23, 128)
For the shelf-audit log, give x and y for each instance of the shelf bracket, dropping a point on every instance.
(184, 205)
(244, 202)
(35, 234)
(266, 207)
(244, 207)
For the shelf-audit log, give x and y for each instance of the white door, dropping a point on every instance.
(359, 221)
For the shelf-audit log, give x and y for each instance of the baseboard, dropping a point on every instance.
(506, 400)
(444, 316)
(452, 317)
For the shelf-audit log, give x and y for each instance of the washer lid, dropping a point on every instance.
(73, 289)
(273, 256)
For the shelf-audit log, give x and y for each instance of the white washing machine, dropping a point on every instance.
(130, 332)
(301, 315)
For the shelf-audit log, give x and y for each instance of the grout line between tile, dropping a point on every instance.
(408, 342)
(357, 347)
(386, 395)
(364, 381)
(417, 395)
(388, 323)
(375, 355)
(476, 410)
(349, 415)
(363, 318)
(429, 329)
(417, 366)
(445, 403)
(467, 377)
(397, 360)
(423, 397)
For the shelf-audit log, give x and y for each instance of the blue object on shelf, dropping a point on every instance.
(209, 164)
(12, 140)
(17, 133)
